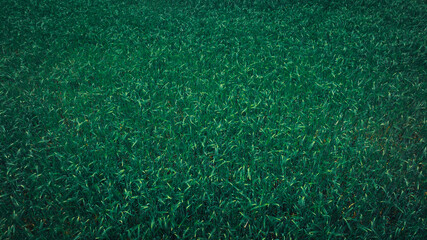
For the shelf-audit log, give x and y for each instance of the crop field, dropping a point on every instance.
(221, 119)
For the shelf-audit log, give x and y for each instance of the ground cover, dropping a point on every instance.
(212, 119)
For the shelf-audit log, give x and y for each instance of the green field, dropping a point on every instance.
(197, 119)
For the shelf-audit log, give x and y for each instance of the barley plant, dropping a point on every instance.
(213, 119)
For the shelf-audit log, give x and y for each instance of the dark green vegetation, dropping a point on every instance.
(212, 119)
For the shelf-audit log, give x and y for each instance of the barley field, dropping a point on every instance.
(197, 119)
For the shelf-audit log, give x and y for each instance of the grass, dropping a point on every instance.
(213, 119)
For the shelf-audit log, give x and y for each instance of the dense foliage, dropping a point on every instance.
(269, 119)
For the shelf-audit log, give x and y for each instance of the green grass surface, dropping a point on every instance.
(213, 119)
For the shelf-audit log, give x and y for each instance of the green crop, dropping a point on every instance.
(197, 119)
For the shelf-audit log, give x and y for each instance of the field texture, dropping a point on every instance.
(196, 119)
